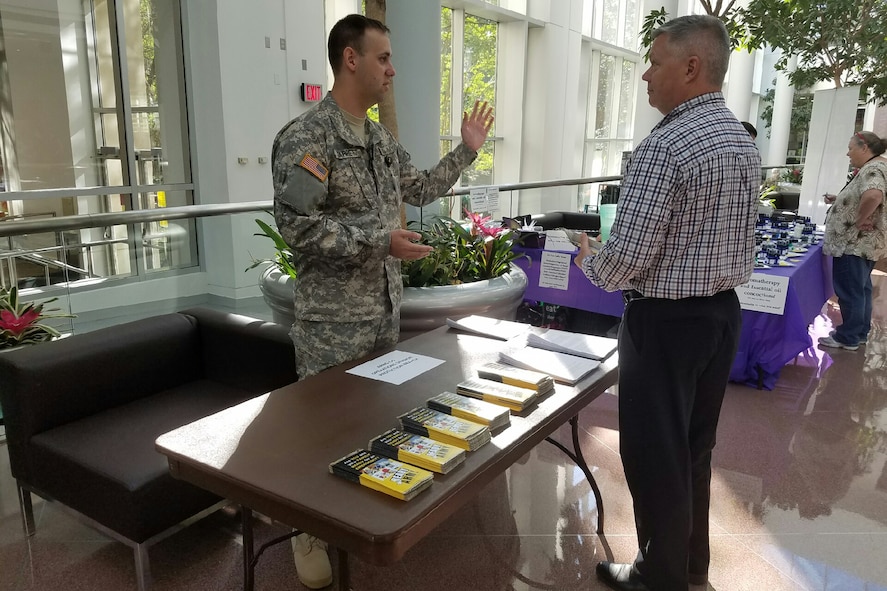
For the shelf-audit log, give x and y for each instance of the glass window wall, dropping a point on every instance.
(92, 101)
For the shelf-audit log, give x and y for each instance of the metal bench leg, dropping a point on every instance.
(24, 503)
(143, 566)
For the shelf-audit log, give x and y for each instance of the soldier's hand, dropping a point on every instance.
(404, 246)
(476, 127)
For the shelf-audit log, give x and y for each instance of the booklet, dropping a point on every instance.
(503, 330)
(564, 368)
(583, 345)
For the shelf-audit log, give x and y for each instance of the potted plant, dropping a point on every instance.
(276, 282)
(23, 323)
(469, 272)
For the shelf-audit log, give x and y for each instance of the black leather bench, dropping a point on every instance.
(82, 414)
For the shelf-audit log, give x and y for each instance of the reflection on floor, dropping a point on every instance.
(799, 503)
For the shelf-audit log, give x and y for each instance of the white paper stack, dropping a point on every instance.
(583, 345)
(503, 330)
(564, 368)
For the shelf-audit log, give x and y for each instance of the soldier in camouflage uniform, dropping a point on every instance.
(339, 181)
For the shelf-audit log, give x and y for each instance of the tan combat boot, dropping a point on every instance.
(312, 561)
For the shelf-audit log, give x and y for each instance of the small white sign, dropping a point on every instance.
(557, 240)
(554, 270)
(764, 293)
(395, 367)
(478, 200)
(493, 198)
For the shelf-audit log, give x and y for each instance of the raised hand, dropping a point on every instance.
(476, 127)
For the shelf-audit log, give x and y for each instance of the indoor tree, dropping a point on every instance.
(840, 41)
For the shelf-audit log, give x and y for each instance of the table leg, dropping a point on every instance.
(576, 456)
(344, 574)
(250, 556)
(249, 566)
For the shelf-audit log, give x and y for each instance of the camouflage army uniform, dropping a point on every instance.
(335, 203)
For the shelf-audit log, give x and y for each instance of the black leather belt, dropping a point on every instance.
(630, 295)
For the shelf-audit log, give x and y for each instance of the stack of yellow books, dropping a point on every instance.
(418, 450)
(446, 428)
(478, 411)
(515, 376)
(382, 474)
(512, 397)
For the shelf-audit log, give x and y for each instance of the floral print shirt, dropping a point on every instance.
(841, 235)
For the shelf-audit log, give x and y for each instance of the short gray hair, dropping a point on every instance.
(704, 36)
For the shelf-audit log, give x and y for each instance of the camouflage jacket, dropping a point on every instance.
(336, 202)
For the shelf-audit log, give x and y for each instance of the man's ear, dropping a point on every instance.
(349, 59)
(694, 65)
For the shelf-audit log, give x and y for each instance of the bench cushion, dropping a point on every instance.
(113, 452)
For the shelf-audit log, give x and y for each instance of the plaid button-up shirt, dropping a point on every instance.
(685, 221)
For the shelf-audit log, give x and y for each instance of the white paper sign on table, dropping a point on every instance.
(395, 367)
(554, 270)
(764, 293)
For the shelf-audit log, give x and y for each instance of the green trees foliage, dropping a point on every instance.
(840, 41)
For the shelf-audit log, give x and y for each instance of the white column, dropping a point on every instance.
(782, 111)
(415, 51)
(551, 131)
(738, 88)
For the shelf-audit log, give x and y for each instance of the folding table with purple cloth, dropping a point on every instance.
(768, 341)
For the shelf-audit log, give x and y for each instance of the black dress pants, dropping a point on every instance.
(674, 362)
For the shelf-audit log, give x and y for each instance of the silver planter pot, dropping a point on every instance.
(423, 308)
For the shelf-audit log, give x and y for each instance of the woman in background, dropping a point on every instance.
(856, 236)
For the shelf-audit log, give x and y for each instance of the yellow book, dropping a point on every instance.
(472, 409)
(443, 427)
(515, 376)
(512, 397)
(382, 474)
(418, 450)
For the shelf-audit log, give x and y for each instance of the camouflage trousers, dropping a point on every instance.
(321, 345)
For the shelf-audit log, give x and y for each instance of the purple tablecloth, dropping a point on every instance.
(767, 342)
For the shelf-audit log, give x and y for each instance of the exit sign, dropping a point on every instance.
(310, 93)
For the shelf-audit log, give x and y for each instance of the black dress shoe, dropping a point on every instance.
(622, 577)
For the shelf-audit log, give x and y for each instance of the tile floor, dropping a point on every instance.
(799, 503)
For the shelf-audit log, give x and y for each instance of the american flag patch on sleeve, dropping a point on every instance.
(312, 165)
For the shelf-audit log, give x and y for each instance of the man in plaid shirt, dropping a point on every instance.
(683, 238)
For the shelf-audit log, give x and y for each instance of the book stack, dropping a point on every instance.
(382, 474)
(583, 345)
(446, 428)
(513, 376)
(417, 450)
(567, 369)
(511, 397)
(472, 409)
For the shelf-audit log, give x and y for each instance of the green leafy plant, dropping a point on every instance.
(283, 256)
(22, 323)
(768, 195)
(463, 253)
(793, 175)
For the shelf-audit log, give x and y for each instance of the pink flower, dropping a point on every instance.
(17, 324)
(480, 224)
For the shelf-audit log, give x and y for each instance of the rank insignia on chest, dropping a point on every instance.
(312, 165)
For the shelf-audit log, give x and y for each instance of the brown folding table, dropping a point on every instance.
(271, 454)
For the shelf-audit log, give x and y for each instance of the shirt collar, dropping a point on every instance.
(709, 98)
